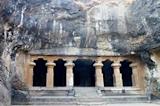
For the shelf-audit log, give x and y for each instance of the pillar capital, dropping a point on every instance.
(98, 64)
(69, 63)
(133, 65)
(116, 65)
(32, 64)
(50, 64)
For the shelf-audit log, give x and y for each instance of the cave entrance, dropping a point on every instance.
(126, 72)
(60, 73)
(39, 73)
(108, 72)
(84, 73)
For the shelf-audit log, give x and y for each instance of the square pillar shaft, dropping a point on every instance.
(135, 78)
(69, 74)
(117, 75)
(50, 75)
(30, 74)
(99, 74)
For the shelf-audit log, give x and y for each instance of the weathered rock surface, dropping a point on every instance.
(121, 26)
(79, 23)
(4, 85)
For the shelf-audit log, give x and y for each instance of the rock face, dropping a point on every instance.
(84, 24)
(121, 26)
(4, 85)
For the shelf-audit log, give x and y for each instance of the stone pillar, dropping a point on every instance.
(98, 74)
(135, 80)
(117, 74)
(69, 73)
(30, 74)
(50, 74)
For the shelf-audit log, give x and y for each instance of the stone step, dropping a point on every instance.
(79, 96)
(48, 100)
(57, 91)
(86, 92)
(65, 105)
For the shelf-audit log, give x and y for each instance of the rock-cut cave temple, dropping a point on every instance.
(97, 50)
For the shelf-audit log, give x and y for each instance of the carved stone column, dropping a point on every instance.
(50, 74)
(30, 74)
(135, 79)
(69, 73)
(117, 74)
(99, 75)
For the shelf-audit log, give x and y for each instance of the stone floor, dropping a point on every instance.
(157, 103)
(136, 104)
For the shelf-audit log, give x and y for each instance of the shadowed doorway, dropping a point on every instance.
(108, 72)
(60, 73)
(39, 73)
(84, 73)
(126, 72)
